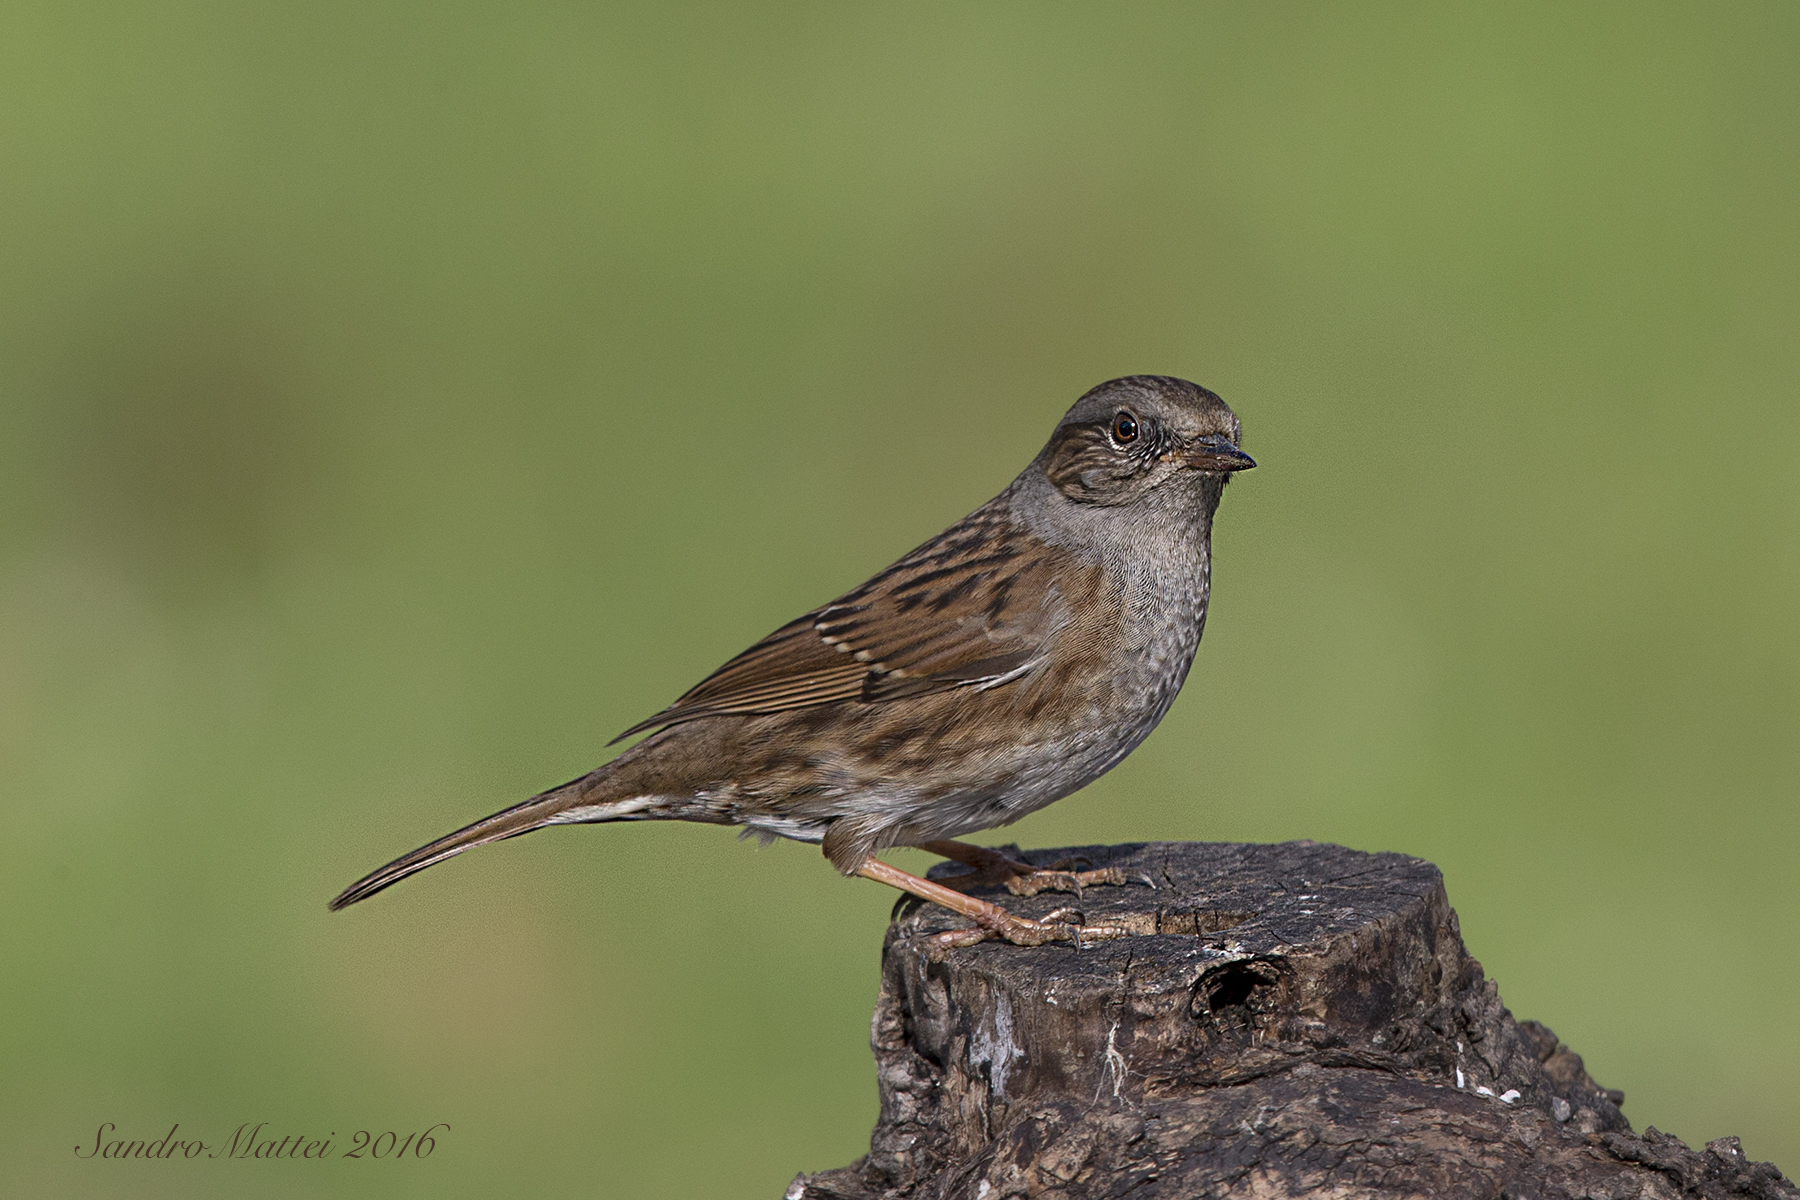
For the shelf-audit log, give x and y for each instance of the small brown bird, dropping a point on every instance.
(1007, 662)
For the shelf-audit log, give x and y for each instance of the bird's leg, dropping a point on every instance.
(1019, 878)
(990, 919)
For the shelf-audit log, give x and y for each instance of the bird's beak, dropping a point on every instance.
(1216, 453)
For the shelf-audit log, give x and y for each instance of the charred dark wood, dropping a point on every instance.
(1286, 1020)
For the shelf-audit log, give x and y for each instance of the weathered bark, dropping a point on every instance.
(1288, 1020)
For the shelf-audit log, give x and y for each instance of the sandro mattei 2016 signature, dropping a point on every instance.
(247, 1141)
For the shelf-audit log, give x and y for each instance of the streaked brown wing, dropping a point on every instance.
(970, 607)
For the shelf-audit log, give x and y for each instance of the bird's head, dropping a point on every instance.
(1130, 438)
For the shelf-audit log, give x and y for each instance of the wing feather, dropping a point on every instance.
(975, 606)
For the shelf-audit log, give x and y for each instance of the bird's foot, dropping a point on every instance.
(1063, 925)
(1064, 876)
(991, 921)
(992, 868)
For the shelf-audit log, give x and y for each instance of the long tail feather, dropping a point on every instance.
(535, 813)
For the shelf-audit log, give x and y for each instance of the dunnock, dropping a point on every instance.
(1007, 662)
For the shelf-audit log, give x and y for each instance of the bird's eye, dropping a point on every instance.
(1124, 429)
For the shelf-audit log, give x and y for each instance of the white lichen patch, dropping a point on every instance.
(995, 1048)
(1114, 1067)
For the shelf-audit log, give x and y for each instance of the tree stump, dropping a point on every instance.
(1286, 1020)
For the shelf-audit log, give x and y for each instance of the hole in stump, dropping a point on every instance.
(1230, 987)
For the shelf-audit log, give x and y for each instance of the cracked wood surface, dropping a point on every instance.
(1288, 1020)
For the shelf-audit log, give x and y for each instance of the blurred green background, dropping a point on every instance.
(398, 400)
